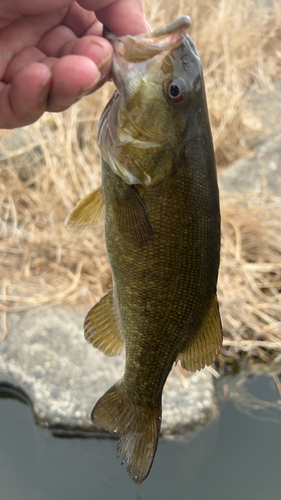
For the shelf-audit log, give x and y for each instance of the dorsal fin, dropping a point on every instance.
(205, 347)
(102, 327)
(89, 212)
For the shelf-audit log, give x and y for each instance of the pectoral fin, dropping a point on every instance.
(102, 327)
(131, 215)
(89, 212)
(205, 347)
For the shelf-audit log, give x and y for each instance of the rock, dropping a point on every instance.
(263, 115)
(21, 147)
(260, 171)
(45, 356)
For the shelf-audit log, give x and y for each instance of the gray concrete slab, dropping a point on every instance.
(45, 356)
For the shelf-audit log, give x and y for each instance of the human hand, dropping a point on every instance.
(52, 52)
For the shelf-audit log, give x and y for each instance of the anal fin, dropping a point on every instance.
(102, 327)
(205, 347)
(89, 212)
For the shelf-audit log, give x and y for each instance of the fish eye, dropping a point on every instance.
(176, 90)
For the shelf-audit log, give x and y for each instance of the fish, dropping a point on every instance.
(160, 199)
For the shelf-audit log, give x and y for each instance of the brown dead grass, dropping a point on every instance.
(249, 288)
(57, 162)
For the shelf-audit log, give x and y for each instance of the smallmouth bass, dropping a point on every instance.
(162, 226)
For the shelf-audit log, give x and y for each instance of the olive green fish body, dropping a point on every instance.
(163, 288)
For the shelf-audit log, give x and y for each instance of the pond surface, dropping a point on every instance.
(237, 456)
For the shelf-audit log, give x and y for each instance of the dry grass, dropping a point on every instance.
(57, 163)
(249, 287)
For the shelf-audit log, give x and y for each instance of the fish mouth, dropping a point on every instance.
(141, 47)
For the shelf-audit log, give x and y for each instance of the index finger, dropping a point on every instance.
(122, 17)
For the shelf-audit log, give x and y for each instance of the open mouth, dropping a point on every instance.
(142, 47)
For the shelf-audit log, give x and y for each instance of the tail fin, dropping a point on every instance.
(137, 426)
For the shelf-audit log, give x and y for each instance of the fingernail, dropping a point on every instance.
(45, 88)
(148, 25)
(103, 65)
(95, 42)
(90, 88)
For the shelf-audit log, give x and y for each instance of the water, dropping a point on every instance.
(236, 456)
